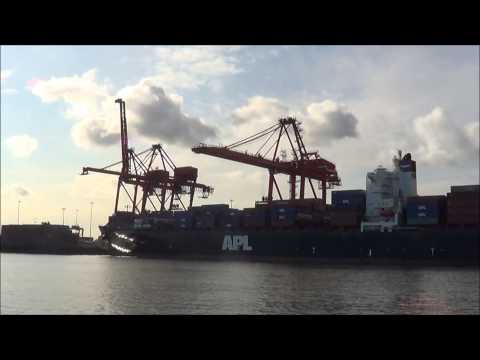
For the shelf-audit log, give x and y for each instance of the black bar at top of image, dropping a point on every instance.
(308, 30)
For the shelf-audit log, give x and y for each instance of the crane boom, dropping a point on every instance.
(135, 179)
(316, 169)
(306, 165)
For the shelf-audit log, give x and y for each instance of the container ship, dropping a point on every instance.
(46, 238)
(386, 220)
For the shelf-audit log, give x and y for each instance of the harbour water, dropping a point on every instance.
(57, 284)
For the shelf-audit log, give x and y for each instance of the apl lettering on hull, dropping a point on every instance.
(236, 243)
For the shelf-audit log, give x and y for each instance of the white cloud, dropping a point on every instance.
(82, 93)
(5, 74)
(439, 140)
(323, 122)
(71, 89)
(155, 115)
(94, 133)
(328, 121)
(189, 67)
(153, 105)
(472, 132)
(151, 113)
(88, 102)
(259, 110)
(22, 146)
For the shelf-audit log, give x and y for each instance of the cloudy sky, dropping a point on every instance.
(357, 105)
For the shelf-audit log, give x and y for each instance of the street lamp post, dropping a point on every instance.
(18, 212)
(231, 204)
(63, 216)
(91, 211)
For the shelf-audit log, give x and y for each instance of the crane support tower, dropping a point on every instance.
(158, 188)
(306, 166)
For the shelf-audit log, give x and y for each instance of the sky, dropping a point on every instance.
(358, 105)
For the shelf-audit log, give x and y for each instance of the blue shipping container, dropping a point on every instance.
(351, 199)
(254, 217)
(183, 219)
(426, 210)
(229, 219)
(283, 215)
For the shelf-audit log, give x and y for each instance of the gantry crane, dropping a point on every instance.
(305, 165)
(157, 186)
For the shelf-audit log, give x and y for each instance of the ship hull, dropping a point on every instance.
(454, 244)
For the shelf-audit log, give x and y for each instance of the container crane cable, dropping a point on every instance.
(167, 157)
(140, 163)
(253, 137)
(119, 162)
(306, 165)
(275, 143)
(291, 143)
(266, 141)
(147, 155)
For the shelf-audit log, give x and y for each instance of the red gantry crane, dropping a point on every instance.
(156, 185)
(305, 165)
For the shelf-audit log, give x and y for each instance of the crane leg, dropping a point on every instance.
(171, 200)
(144, 200)
(278, 190)
(270, 186)
(324, 192)
(302, 187)
(162, 198)
(292, 187)
(134, 207)
(313, 189)
(118, 193)
(192, 191)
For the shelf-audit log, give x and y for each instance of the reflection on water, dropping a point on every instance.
(49, 284)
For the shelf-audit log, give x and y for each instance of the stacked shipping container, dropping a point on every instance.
(344, 217)
(426, 210)
(463, 205)
(183, 220)
(207, 216)
(349, 199)
(465, 188)
(230, 219)
(286, 213)
(348, 208)
(460, 207)
(283, 216)
(253, 218)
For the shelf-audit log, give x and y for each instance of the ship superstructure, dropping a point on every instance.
(387, 192)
